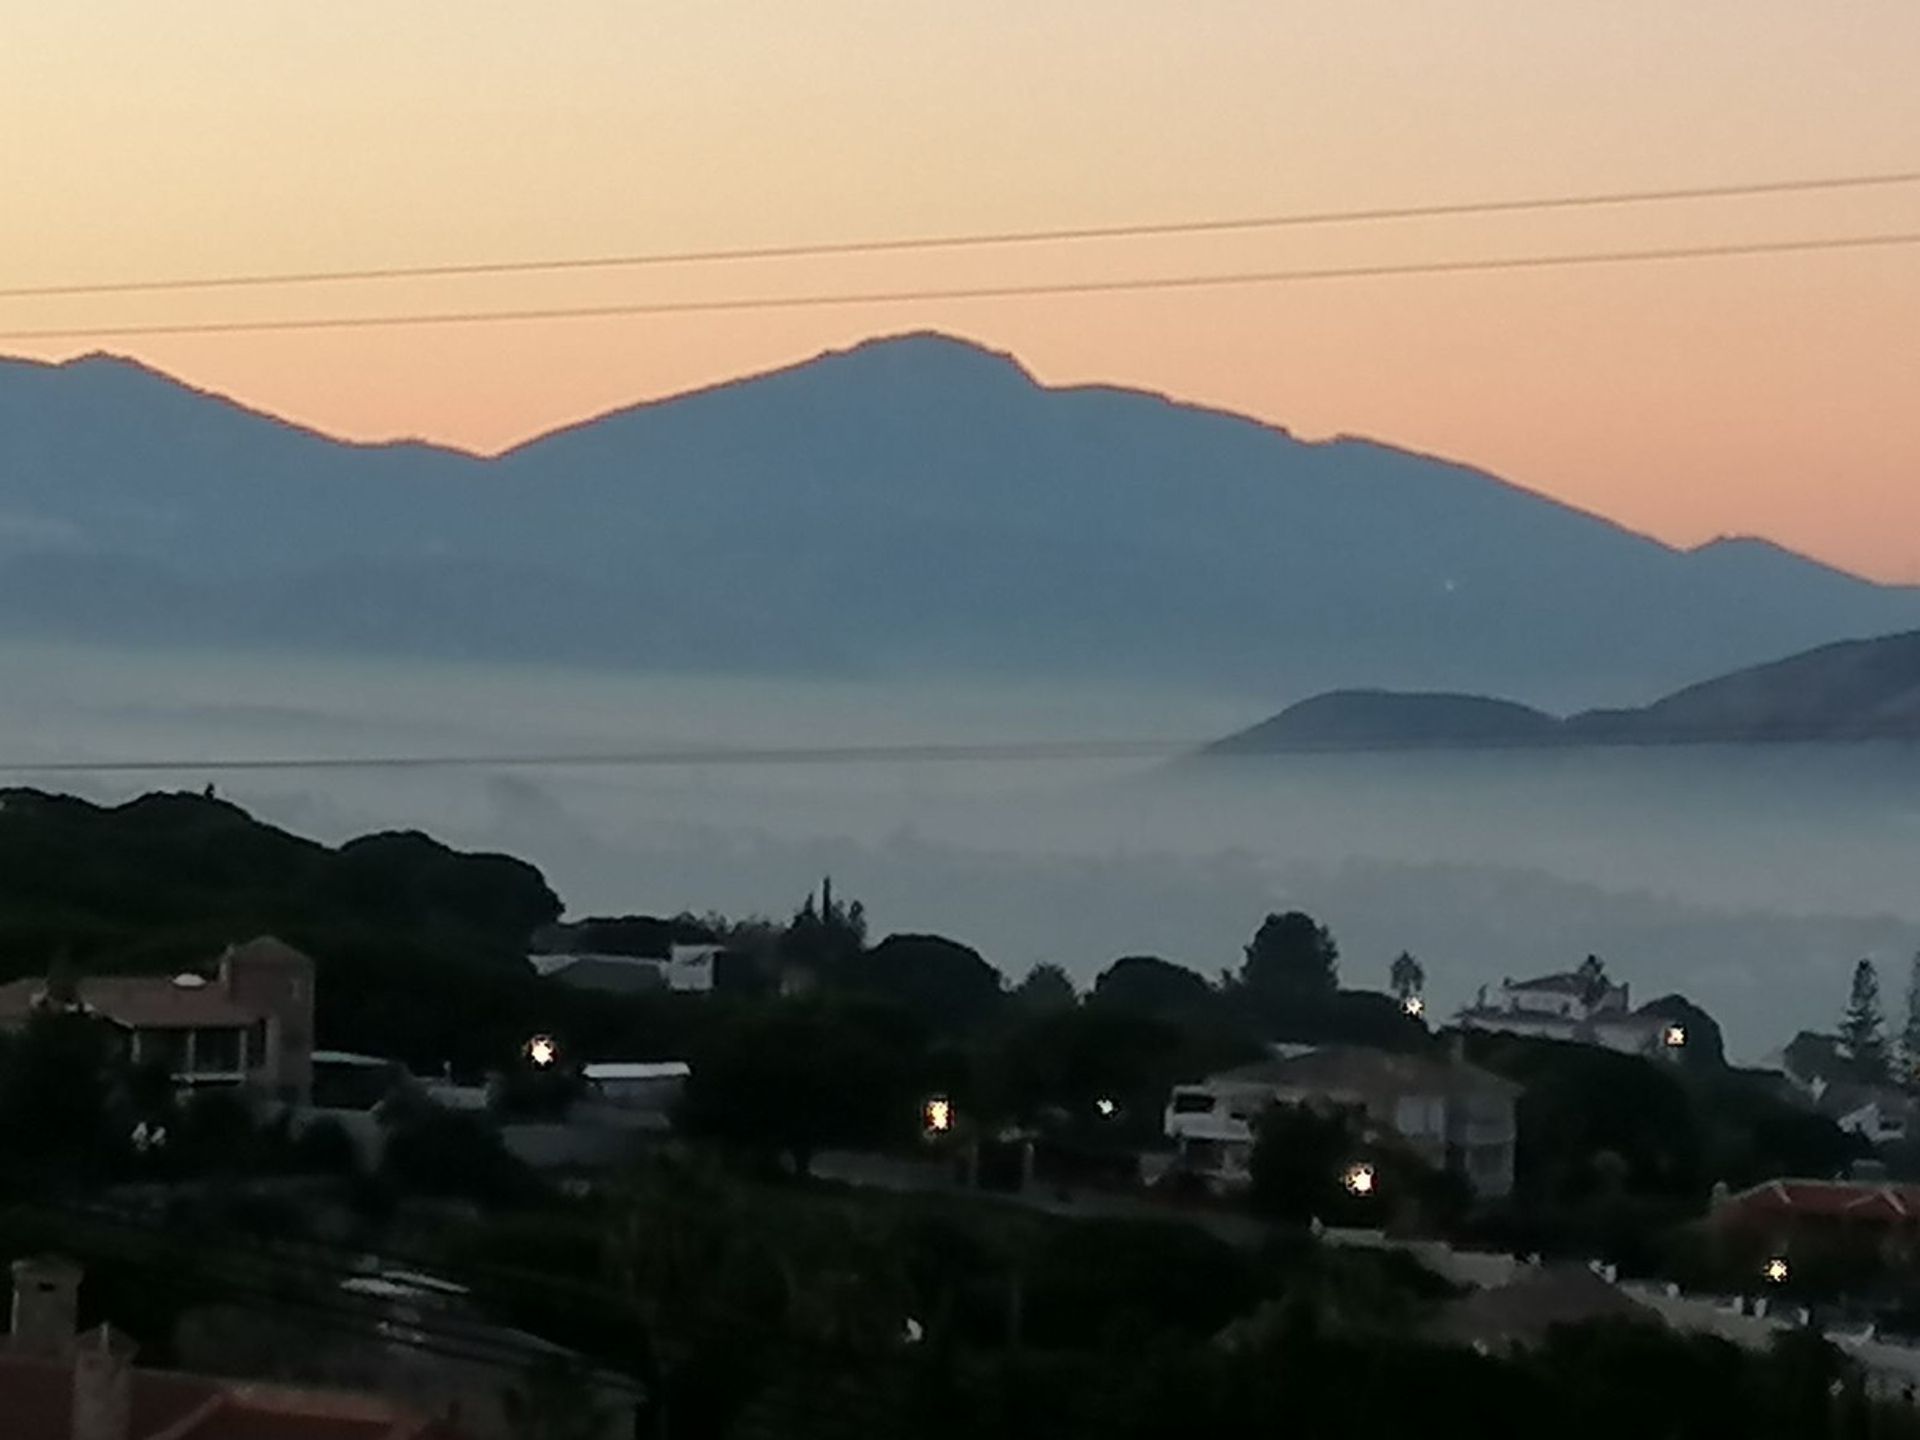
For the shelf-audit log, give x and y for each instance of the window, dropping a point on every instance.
(1192, 1103)
(1417, 1116)
(164, 1047)
(216, 1051)
(1201, 1154)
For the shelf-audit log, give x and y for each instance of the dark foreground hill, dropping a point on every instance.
(420, 949)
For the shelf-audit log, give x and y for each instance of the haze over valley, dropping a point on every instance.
(1749, 878)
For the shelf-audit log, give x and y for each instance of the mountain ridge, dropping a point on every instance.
(1847, 690)
(907, 505)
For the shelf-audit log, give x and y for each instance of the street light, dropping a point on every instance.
(939, 1115)
(1105, 1107)
(1414, 1007)
(1358, 1179)
(1775, 1270)
(1676, 1036)
(542, 1051)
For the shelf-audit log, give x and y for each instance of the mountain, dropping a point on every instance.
(1383, 719)
(911, 505)
(1850, 690)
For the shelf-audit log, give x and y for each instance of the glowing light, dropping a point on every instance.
(1676, 1036)
(1358, 1179)
(1775, 1270)
(1105, 1107)
(939, 1115)
(542, 1051)
(1414, 1006)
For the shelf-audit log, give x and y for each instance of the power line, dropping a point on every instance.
(705, 755)
(977, 240)
(987, 292)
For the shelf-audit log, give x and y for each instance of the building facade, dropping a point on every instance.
(249, 1023)
(1581, 1006)
(1451, 1114)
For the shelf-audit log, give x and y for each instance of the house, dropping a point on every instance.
(642, 1087)
(1451, 1114)
(685, 968)
(1582, 1006)
(1791, 1218)
(58, 1384)
(248, 1024)
(1879, 1114)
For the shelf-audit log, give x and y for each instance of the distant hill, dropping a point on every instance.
(1851, 690)
(910, 506)
(1384, 719)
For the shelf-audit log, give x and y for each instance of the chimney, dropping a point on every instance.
(46, 1305)
(103, 1386)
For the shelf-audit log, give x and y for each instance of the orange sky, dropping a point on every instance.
(1778, 395)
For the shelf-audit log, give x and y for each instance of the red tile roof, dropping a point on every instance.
(36, 1403)
(1874, 1202)
(139, 1002)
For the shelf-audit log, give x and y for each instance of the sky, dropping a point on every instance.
(1771, 396)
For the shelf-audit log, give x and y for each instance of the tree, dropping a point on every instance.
(1153, 986)
(54, 1082)
(1910, 1035)
(1299, 1158)
(1072, 1059)
(794, 1076)
(1706, 1047)
(1291, 956)
(432, 1151)
(1047, 988)
(947, 985)
(825, 936)
(1407, 978)
(1862, 1030)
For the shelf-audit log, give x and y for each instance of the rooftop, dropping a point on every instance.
(1563, 984)
(36, 1403)
(1871, 1201)
(637, 1070)
(139, 1002)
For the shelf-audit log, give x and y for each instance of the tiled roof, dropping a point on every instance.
(1872, 1201)
(1565, 984)
(36, 1403)
(140, 1002)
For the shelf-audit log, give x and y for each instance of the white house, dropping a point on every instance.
(1579, 1005)
(1448, 1112)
